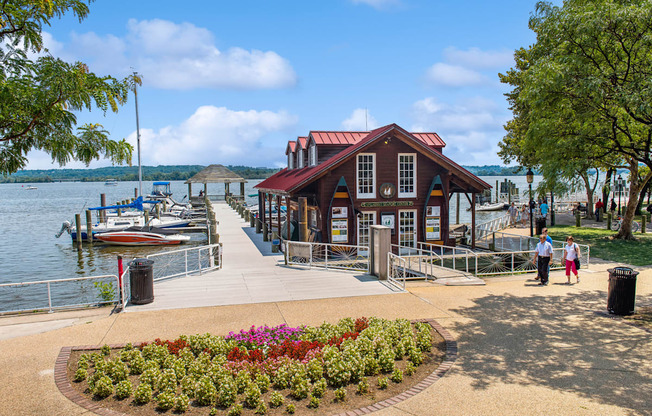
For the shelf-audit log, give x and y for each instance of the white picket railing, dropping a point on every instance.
(486, 228)
(333, 256)
(186, 261)
(397, 269)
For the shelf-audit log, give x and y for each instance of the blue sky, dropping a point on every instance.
(231, 82)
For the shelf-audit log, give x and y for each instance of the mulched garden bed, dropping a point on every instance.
(328, 369)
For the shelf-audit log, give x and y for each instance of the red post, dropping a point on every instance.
(120, 271)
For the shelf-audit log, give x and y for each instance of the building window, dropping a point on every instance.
(366, 175)
(407, 169)
(312, 155)
(365, 219)
(291, 160)
(300, 158)
(407, 229)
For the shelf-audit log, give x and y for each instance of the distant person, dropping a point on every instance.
(525, 215)
(612, 207)
(599, 206)
(513, 213)
(201, 194)
(542, 255)
(544, 209)
(571, 252)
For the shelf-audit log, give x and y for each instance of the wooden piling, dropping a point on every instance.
(102, 204)
(275, 238)
(457, 209)
(89, 226)
(259, 225)
(252, 219)
(79, 230)
(135, 193)
(265, 230)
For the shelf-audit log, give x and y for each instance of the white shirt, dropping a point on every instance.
(571, 252)
(544, 249)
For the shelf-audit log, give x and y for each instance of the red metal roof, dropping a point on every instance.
(287, 181)
(302, 141)
(430, 139)
(352, 137)
(291, 147)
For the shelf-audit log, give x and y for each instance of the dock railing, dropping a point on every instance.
(328, 256)
(486, 228)
(57, 294)
(186, 261)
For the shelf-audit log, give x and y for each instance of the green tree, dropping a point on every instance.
(39, 97)
(586, 89)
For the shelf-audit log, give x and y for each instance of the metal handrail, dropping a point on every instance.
(187, 271)
(313, 247)
(48, 283)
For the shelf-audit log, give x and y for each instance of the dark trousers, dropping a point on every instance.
(543, 270)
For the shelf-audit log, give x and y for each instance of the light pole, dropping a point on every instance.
(620, 191)
(530, 178)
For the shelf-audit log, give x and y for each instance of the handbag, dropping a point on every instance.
(577, 263)
(577, 258)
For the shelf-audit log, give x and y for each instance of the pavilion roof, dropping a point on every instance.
(215, 174)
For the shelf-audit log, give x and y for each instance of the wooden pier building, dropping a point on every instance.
(340, 183)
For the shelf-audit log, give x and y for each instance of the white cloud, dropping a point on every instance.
(180, 56)
(470, 129)
(360, 120)
(378, 4)
(477, 58)
(216, 135)
(453, 75)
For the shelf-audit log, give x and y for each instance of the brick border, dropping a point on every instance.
(63, 383)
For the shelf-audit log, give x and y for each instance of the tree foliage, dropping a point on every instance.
(39, 96)
(582, 96)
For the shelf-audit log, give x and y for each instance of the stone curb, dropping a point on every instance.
(63, 383)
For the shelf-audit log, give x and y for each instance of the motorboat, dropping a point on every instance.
(30, 188)
(160, 190)
(111, 182)
(496, 206)
(142, 236)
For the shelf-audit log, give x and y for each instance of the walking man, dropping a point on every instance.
(542, 256)
(513, 211)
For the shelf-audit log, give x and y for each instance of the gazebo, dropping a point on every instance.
(217, 174)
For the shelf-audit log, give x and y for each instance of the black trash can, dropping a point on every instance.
(622, 291)
(141, 279)
(541, 224)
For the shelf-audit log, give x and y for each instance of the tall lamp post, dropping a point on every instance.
(530, 178)
(620, 191)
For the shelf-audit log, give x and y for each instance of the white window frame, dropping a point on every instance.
(415, 224)
(365, 195)
(368, 236)
(312, 155)
(300, 158)
(412, 194)
(291, 160)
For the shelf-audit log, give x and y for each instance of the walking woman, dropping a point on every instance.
(571, 253)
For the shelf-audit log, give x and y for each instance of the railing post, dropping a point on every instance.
(326, 257)
(199, 260)
(310, 247)
(50, 294)
(185, 255)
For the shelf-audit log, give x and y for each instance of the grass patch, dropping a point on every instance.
(636, 253)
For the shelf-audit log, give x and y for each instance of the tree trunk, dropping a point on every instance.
(589, 193)
(641, 198)
(606, 189)
(635, 186)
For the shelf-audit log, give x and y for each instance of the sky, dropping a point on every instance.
(230, 82)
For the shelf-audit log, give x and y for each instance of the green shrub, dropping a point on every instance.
(415, 356)
(276, 399)
(315, 370)
(252, 396)
(236, 410)
(261, 409)
(124, 389)
(263, 381)
(371, 367)
(383, 383)
(181, 403)
(143, 393)
(205, 392)
(213, 412)
(103, 387)
(300, 387)
(228, 392)
(291, 408)
(242, 380)
(410, 369)
(136, 364)
(165, 400)
(151, 376)
(93, 378)
(363, 386)
(128, 347)
(117, 370)
(319, 388)
(397, 376)
(340, 394)
(313, 402)
(106, 291)
(168, 381)
(80, 374)
(386, 359)
(83, 364)
(105, 350)
(188, 386)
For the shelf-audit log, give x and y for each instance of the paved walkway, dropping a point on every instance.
(523, 349)
(252, 273)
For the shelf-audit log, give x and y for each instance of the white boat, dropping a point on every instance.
(136, 237)
(30, 188)
(496, 206)
(111, 182)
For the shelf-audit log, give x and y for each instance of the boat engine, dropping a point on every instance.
(66, 226)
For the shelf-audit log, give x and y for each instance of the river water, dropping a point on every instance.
(29, 220)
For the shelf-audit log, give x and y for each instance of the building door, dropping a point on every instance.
(365, 219)
(407, 230)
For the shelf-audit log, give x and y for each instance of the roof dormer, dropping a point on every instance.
(290, 152)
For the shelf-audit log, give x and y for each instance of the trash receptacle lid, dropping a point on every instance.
(623, 272)
(140, 262)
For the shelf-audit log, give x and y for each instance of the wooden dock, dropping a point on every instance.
(253, 274)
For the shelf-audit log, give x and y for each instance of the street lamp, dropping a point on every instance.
(530, 178)
(620, 191)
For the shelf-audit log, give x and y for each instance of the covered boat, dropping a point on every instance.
(142, 236)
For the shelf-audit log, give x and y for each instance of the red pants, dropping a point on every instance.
(570, 265)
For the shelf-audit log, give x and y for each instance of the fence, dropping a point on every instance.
(186, 261)
(59, 294)
(512, 262)
(396, 270)
(333, 256)
(486, 228)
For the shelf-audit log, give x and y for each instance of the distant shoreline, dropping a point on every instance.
(183, 172)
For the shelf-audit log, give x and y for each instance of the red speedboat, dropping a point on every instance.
(139, 237)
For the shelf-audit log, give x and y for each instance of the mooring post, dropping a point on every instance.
(79, 231)
(275, 242)
(146, 217)
(135, 193)
(89, 226)
(265, 236)
(258, 225)
(252, 219)
(102, 204)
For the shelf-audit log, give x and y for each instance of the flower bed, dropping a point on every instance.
(265, 370)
